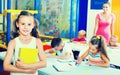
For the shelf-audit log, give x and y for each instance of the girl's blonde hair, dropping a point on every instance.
(82, 32)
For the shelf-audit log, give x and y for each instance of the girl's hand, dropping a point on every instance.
(78, 61)
(19, 64)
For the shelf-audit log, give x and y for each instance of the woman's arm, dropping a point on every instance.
(8, 58)
(42, 58)
(83, 56)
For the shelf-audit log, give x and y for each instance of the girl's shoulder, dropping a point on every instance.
(16, 38)
(12, 43)
(13, 40)
(38, 41)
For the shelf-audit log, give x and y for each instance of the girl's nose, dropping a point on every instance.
(25, 26)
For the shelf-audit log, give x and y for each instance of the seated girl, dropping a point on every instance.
(81, 37)
(96, 52)
(114, 42)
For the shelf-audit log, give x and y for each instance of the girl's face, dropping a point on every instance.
(93, 49)
(25, 25)
(80, 35)
(106, 7)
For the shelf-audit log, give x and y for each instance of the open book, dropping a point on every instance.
(60, 67)
(28, 55)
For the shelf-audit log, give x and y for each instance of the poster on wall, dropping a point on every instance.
(97, 4)
(55, 15)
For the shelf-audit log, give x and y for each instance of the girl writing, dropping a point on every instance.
(96, 52)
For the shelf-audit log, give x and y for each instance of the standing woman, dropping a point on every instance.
(104, 22)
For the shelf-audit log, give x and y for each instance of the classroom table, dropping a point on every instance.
(81, 69)
(114, 55)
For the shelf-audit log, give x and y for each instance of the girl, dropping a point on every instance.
(114, 41)
(104, 23)
(25, 37)
(96, 52)
(81, 37)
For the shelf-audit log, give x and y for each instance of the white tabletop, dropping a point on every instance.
(114, 55)
(82, 69)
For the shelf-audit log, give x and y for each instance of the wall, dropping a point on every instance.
(116, 11)
(91, 21)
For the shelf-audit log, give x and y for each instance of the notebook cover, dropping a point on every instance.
(28, 55)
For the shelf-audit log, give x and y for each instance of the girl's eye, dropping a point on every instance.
(23, 24)
(29, 24)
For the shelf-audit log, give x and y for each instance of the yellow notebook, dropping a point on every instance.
(28, 55)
